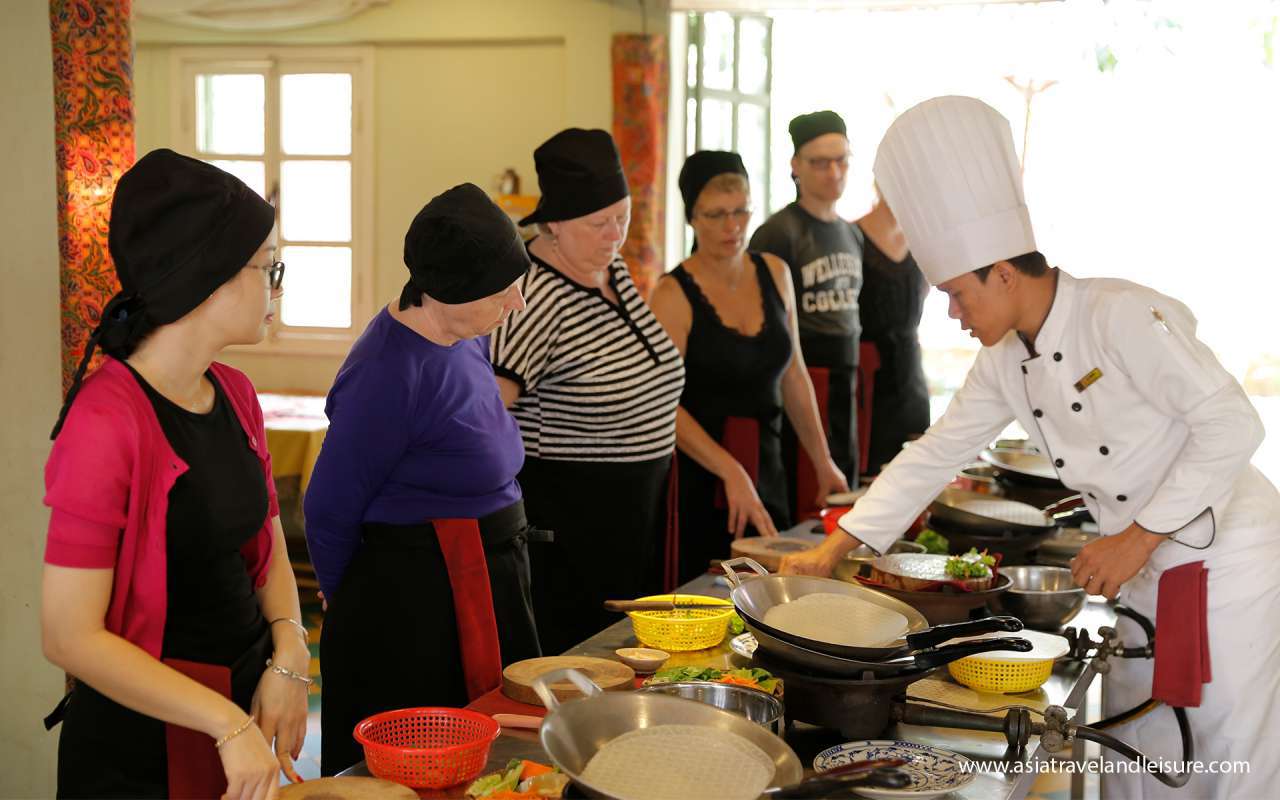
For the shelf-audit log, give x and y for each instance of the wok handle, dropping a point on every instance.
(1066, 510)
(941, 633)
(658, 605)
(734, 578)
(953, 652)
(542, 685)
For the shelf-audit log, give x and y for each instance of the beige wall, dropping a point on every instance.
(462, 90)
(29, 686)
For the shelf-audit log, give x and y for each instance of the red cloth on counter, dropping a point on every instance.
(1182, 636)
(472, 602)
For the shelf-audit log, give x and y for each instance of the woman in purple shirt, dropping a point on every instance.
(415, 522)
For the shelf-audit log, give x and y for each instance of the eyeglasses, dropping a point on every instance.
(823, 164)
(720, 215)
(275, 275)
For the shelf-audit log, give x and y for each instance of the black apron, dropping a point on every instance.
(391, 636)
(610, 523)
(892, 302)
(730, 376)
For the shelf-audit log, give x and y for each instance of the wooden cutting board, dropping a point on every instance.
(517, 679)
(346, 789)
(769, 550)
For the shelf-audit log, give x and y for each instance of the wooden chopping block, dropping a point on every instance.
(346, 789)
(769, 550)
(517, 679)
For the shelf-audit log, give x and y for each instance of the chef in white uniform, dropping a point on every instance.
(1109, 379)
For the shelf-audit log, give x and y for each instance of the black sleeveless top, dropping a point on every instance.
(729, 374)
(892, 301)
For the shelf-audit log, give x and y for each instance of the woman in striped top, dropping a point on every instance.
(593, 381)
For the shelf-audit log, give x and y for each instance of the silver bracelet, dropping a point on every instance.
(288, 673)
(306, 637)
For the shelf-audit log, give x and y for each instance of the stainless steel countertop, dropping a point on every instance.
(1068, 686)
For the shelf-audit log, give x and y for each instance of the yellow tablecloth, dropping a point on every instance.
(296, 426)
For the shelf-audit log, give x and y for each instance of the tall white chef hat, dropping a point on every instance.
(948, 170)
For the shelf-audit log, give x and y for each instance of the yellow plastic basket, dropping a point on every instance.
(1006, 677)
(681, 629)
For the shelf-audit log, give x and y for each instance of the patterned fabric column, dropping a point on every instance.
(93, 127)
(640, 82)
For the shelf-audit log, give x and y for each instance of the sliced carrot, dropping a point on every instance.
(736, 681)
(507, 794)
(533, 769)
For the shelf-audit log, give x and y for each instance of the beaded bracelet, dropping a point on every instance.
(288, 673)
(244, 726)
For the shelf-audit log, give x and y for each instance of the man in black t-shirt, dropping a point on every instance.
(825, 256)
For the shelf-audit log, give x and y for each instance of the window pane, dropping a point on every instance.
(690, 127)
(717, 125)
(315, 112)
(315, 201)
(752, 122)
(317, 287)
(253, 173)
(717, 51)
(229, 114)
(753, 55)
(691, 67)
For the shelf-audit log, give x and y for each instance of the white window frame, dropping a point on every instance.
(687, 30)
(272, 62)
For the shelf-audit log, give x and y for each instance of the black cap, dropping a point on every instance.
(700, 168)
(579, 172)
(180, 228)
(461, 247)
(807, 127)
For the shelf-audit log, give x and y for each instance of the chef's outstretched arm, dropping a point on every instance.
(976, 415)
(1154, 339)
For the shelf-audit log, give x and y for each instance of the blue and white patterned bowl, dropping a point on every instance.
(933, 771)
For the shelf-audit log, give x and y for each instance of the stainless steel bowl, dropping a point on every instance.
(1044, 598)
(760, 707)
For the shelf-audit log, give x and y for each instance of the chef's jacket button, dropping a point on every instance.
(1038, 413)
(1076, 406)
(1104, 450)
(1059, 463)
(1057, 356)
(1024, 369)
(1122, 497)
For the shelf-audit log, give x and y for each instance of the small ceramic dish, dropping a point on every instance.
(642, 659)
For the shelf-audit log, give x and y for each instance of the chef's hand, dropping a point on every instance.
(830, 481)
(1103, 565)
(280, 708)
(820, 560)
(252, 771)
(744, 504)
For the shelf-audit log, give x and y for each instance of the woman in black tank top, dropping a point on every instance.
(743, 370)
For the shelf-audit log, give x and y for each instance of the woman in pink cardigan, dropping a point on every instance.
(161, 593)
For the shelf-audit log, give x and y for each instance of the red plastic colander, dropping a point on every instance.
(427, 748)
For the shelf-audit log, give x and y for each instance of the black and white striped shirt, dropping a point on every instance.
(598, 382)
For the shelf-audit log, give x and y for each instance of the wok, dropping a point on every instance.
(1022, 467)
(957, 509)
(754, 595)
(575, 730)
(834, 666)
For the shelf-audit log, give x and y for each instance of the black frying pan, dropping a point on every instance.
(1022, 467)
(754, 595)
(919, 660)
(964, 510)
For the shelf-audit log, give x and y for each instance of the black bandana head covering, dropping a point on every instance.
(579, 172)
(461, 247)
(180, 228)
(700, 168)
(807, 127)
